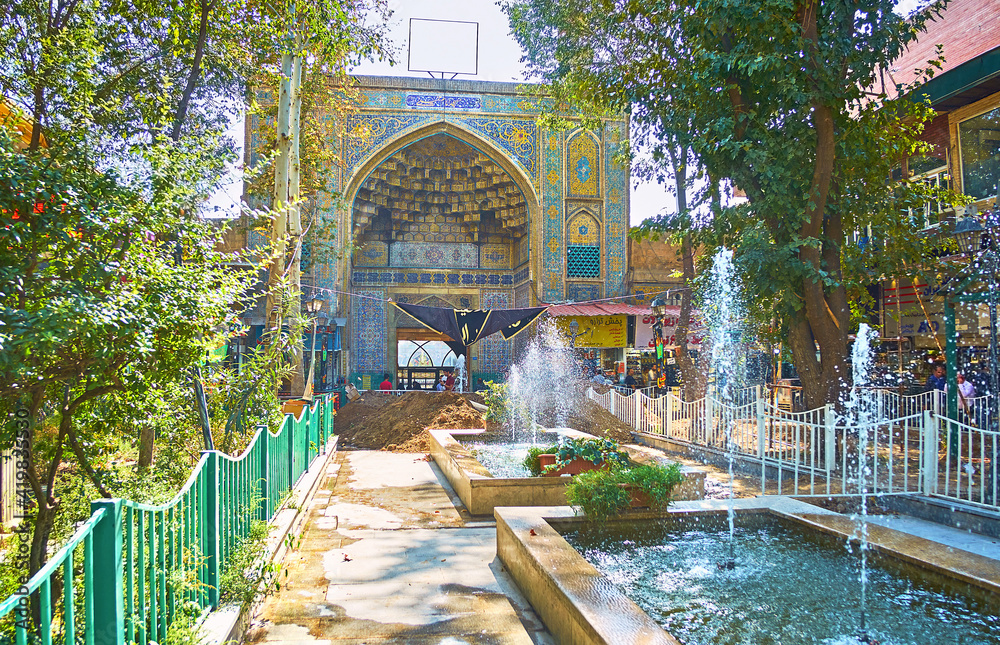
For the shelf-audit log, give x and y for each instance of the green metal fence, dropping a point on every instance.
(130, 568)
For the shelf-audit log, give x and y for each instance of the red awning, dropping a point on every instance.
(606, 309)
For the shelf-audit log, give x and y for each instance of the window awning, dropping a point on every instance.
(606, 309)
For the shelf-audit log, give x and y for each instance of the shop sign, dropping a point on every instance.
(644, 333)
(921, 326)
(596, 331)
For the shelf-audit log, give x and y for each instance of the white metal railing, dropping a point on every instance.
(969, 471)
(814, 452)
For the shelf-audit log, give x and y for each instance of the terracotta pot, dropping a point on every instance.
(575, 467)
(639, 497)
(294, 407)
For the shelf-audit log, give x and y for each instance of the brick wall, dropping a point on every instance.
(967, 28)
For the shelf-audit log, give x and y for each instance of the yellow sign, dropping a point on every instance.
(596, 331)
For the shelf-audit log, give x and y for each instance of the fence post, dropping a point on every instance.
(210, 547)
(830, 443)
(760, 429)
(109, 603)
(611, 401)
(638, 410)
(668, 413)
(929, 456)
(264, 474)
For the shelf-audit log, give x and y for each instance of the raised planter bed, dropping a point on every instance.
(481, 492)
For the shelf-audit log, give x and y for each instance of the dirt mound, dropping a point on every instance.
(593, 419)
(396, 423)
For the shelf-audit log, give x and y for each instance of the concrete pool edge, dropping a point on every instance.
(481, 493)
(574, 599)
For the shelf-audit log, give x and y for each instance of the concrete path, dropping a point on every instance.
(389, 555)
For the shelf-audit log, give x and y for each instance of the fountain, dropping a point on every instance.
(723, 311)
(860, 413)
(460, 374)
(544, 388)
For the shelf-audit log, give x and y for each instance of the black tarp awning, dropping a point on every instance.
(466, 326)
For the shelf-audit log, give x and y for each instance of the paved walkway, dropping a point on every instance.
(389, 555)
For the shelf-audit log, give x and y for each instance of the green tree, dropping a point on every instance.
(787, 99)
(93, 302)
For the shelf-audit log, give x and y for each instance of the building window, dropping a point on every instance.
(979, 140)
(934, 173)
(583, 261)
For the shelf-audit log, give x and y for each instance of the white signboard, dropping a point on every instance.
(447, 46)
(644, 333)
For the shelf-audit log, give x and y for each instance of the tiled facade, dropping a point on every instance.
(521, 260)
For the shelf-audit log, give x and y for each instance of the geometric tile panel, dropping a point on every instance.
(434, 254)
(494, 256)
(371, 254)
(415, 278)
(582, 291)
(615, 210)
(368, 330)
(514, 136)
(494, 351)
(584, 169)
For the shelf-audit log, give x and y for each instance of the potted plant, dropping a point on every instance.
(535, 454)
(576, 456)
(602, 494)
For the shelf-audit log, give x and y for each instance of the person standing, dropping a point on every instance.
(440, 384)
(966, 391)
(936, 380)
(630, 380)
(449, 383)
(386, 383)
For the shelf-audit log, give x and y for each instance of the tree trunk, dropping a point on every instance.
(278, 228)
(295, 221)
(146, 437)
(192, 82)
(693, 378)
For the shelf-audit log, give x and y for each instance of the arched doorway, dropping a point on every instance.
(443, 217)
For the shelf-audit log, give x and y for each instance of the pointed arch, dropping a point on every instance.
(498, 156)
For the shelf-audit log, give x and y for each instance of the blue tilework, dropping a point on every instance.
(368, 331)
(553, 207)
(494, 351)
(616, 228)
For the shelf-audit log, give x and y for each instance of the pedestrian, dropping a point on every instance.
(449, 383)
(440, 384)
(415, 384)
(386, 383)
(966, 391)
(630, 380)
(936, 380)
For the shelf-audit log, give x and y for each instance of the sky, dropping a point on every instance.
(498, 60)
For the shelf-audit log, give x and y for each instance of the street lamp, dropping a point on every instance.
(313, 308)
(658, 306)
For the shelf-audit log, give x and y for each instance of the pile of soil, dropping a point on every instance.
(593, 419)
(396, 423)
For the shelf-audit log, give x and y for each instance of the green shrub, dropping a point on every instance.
(601, 494)
(531, 461)
(597, 451)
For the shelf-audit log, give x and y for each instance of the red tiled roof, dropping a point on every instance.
(606, 309)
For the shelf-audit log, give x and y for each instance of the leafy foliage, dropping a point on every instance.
(601, 494)
(497, 402)
(597, 451)
(531, 460)
(789, 101)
